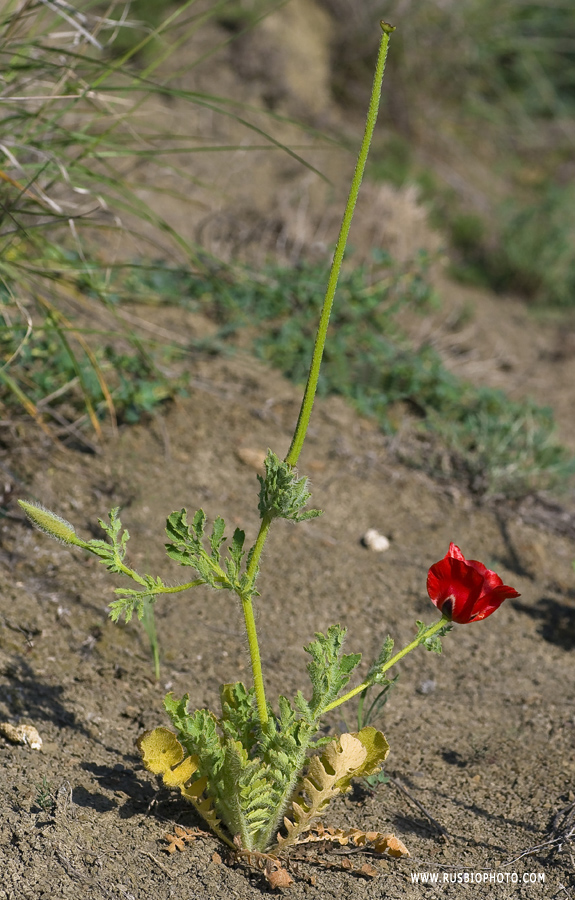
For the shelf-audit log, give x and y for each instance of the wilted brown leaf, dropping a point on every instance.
(277, 877)
(368, 870)
(179, 840)
(389, 845)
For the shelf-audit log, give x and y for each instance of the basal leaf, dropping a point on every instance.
(376, 748)
(161, 750)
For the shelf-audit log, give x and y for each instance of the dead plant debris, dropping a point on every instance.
(182, 837)
(273, 868)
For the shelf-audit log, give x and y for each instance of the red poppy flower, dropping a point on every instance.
(464, 590)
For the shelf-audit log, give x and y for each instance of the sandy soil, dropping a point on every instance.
(481, 736)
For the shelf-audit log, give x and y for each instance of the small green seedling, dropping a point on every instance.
(45, 797)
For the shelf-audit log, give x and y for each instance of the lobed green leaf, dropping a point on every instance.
(329, 670)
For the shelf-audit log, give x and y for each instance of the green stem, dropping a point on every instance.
(164, 589)
(308, 398)
(149, 623)
(255, 659)
(360, 710)
(252, 568)
(433, 629)
(157, 589)
(311, 386)
(249, 618)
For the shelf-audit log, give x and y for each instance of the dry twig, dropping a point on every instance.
(400, 787)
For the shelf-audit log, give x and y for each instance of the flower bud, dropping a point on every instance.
(50, 523)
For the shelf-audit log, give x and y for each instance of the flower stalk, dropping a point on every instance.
(311, 386)
(375, 677)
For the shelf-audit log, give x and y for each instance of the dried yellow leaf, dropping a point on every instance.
(327, 775)
(163, 755)
(376, 750)
(385, 844)
(344, 756)
(177, 777)
(161, 750)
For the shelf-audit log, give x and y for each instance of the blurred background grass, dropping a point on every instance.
(482, 97)
(480, 111)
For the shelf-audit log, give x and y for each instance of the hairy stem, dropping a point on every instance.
(433, 629)
(311, 386)
(248, 611)
(309, 395)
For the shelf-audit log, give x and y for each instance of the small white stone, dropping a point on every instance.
(375, 541)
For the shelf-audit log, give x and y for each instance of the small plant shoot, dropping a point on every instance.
(260, 773)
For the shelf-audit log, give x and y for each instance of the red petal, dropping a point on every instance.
(452, 578)
(492, 579)
(454, 552)
(491, 601)
(464, 589)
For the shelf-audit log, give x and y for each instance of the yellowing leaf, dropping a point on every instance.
(344, 756)
(163, 755)
(196, 789)
(341, 760)
(177, 777)
(161, 750)
(376, 748)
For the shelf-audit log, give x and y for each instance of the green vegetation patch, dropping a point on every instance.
(456, 430)
(58, 368)
(492, 444)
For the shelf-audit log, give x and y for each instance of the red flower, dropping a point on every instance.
(464, 590)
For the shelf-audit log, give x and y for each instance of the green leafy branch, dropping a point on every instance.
(428, 635)
(329, 671)
(432, 642)
(188, 550)
(112, 554)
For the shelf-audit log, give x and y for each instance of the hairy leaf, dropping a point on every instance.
(383, 658)
(187, 549)
(432, 643)
(236, 554)
(329, 669)
(164, 755)
(217, 537)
